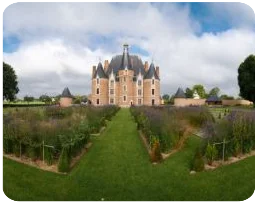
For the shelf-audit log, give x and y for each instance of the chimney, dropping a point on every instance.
(146, 66)
(157, 71)
(93, 71)
(106, 65)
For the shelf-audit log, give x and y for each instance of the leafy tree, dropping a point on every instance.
(200, 90)
(172, 97)
(214, 91)
(246, 78)
(10, 83)
(166, 98)
(45, 98)
(77, 99)
(189, 93)
(84, 99)
(224, 96)
(28, 98)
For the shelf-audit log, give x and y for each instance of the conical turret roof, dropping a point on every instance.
(180, 93)
(66, 93)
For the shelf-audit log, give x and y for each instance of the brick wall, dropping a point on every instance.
(188, 102)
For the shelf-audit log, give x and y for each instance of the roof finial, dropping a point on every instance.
(125, 48)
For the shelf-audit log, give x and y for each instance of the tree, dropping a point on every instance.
(166, 98)
(214, 91)
(224, 96)
(45, 98)
(10, 83)
(246, 78)
(200, 90)
(28, 99)
(189, 93)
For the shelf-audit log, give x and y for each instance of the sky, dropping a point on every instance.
(54, 45)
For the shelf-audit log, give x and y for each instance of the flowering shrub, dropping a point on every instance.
(237, 130)
(25, 131)
(168, 124)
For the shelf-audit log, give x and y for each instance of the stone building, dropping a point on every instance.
(125, 81)
(66, 98)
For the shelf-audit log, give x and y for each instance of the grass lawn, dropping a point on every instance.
(117, 167)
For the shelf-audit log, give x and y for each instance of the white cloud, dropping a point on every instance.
(56, 43)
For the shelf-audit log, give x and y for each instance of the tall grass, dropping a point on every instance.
(25, 130)
(168, 125)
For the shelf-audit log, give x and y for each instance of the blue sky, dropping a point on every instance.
(79, 34)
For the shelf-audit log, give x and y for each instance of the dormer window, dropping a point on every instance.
(152, 81)
(97, 81)
(139, 82)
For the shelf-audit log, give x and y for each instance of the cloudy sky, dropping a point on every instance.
(54, 45)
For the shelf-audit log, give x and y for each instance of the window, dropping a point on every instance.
(139, 101)
(124, 88)
(152, 91)
(152, 81)
(111, 101)
(139, 92)
(124, 98)
(97, 91)
(124, 79)
(139, 83)
(111, 91)
(152, 101)
(97, 80)
(97, 101)
(112, 83)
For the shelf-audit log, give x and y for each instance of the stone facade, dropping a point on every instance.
(125, 81)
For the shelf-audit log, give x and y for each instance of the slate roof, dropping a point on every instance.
(135, 61)
(66, 93)
(180, 93)
(151, 73)
(100, 71)
(213, 98)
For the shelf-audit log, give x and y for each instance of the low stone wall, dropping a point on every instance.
(188, 102)
(236, 102)
(199, 102)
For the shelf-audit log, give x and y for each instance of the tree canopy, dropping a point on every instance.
(214, 91)
(200, 90)
(28, 98)
(189, 93)
(10, 83)
(246, 78)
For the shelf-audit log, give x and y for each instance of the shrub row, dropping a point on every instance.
(236, 131)
(63, 132)
(168, 125)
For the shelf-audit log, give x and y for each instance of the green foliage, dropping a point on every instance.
(167, 124)
(200, 90)
(45, 98)
(166, 98)
(198, 162)
(214, 91)
(28, 128)
(28, 98)
(10, 83)
(64, 160)
(246, 78)
(211, 153)
(219, 116)
(49, 155)
(189, 93)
